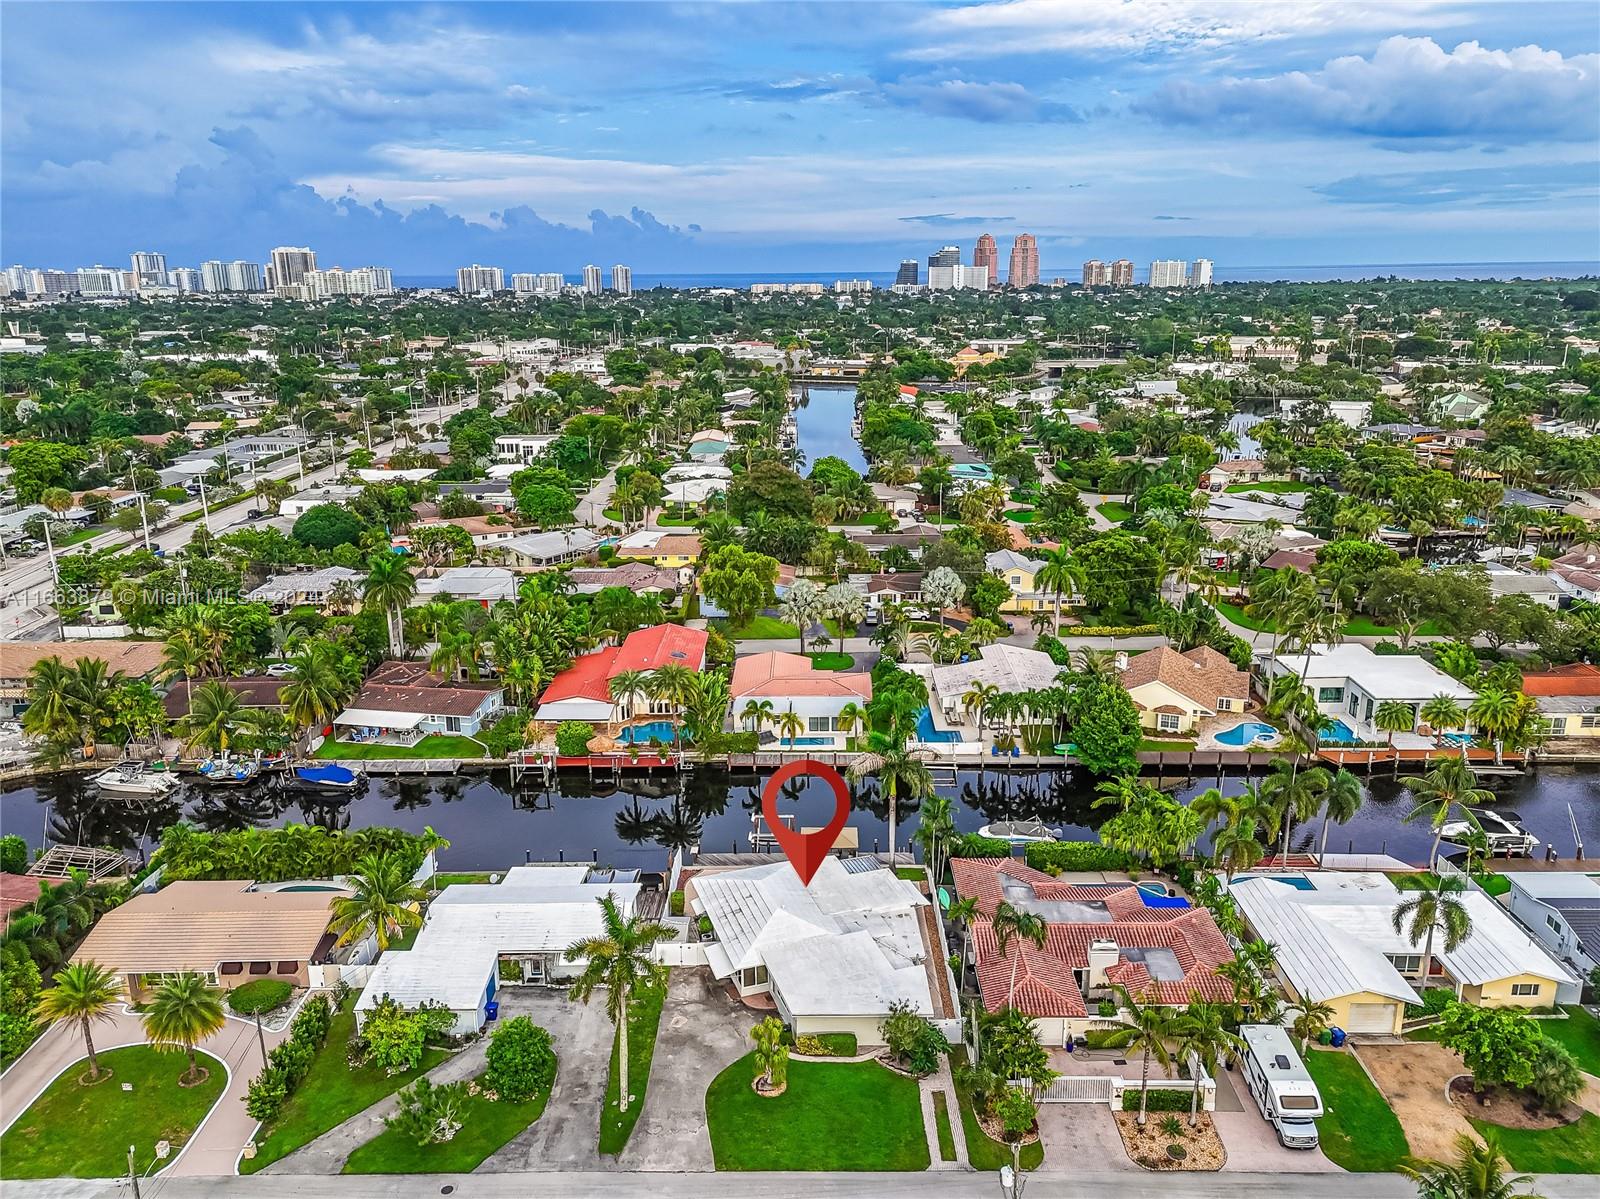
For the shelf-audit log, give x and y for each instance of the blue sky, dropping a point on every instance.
(793, 137)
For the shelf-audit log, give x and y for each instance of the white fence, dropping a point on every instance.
(680, 953)
(1110, 1088)
(332, 974)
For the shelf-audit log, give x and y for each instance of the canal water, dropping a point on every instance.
(492, 826)
(824, 418)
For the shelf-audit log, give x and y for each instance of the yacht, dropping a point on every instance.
(1019, 832)
(133, 779)
(1504, 831)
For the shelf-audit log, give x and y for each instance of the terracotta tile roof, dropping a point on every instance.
(636, 576)
(253, 693)
(1578, 679)
(779, 676)
(1201, 675)
(17, 891)
(586, 678)
(1301, 560)
(134, 658)
(195, 925)
(662, 645)
(981, 879)
(685, 544)
(1044, 987)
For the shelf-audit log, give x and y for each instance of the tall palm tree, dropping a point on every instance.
(1012, 923)
(1443, 713)
(1201, 1030)
(757, 713)
(1435, 908)
(978, 699)
(316, 691)
(50, 713)
(183, 1012)
(384, 902)
(790, 725)
(92, 688)
(965, 913)
(672, 684)
(215, 716)
(936, 826)
(83, 993)
(899, 771)
(1060, 575)
(851, 717)
(1478, 1172)
(1312, 1016)
(619, 959)
(1434, 795)
(1394, 717)
(1238, 846)
(1151, 1026)
(1294, 794)
(391, 585)
(1341, 800)
(57, 500)
(626, 688)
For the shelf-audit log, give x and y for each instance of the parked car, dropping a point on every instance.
(279, 670)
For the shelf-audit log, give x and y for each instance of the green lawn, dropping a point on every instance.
(1580, 1033)
(331, 1092)
(947, 1137)
(73, 1131)
(486, 1125)
(616, 1127)
(832, 660)
(443, 879)
(1266, 488)
(1359, 1132)
(983, 1152)
(1116, 512)
(1148, 746)
(1493, 884)
(1023, 516)
(834, 1116)
(1574, 1149)
(438, 745)
(1360, 626)
(762, 628)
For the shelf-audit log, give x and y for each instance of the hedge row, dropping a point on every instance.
(1162, 1099)
(290, 1062)
(1058, 857)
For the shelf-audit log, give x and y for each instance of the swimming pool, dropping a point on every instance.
(641, 734)
(1288, 880)
(1249, 731)
(707, 448)
(1459, 739)
(1339, 732)
(786, 743)
(926, 731)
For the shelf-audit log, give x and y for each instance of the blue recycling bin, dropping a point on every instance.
(1337, 1040)
(491, 1009)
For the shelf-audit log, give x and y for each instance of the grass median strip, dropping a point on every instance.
(617, 1126)
(486, 1125)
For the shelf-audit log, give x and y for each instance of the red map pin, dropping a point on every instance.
(806, 851)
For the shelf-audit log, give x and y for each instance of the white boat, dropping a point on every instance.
(131, 778)
(228, 771)
(1504, 832)
(1019, 832)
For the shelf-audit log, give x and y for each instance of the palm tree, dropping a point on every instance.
(183, 1012)
(936, 826)
(978, 699)
(1313, 1016)
(1237, 845)
(315, 691)
(391, 585)
(1201, 1030)
(846, 605)
(851, 717)
(1013, 923)
(1394, 717)
(626, 687)
(1443, 713)
(1477, 1173)
(965, 912)
(214, 716)
(898, 769)
(57, 500)
(756, 713)
(1340, 802)
(384, 902)
(1061, 574)
(789, 725)
(672, 684)
(802, 607)
(1150, 1025)
(619, 960)
(1434, 908)
(1295, 795)
(83, 994)
(50, 713)
(1433, 795)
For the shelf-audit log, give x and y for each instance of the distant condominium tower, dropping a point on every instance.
(290, 264)
(1096, 273)
(987, 254)
(1168, 272)
(471, 280)
(1122, 273)
(958, 277)
(907, 276)
(150, 268)
(524, 283)
(185, 279)
(1200, 273)
(1024, 262)
(850, 286)
(592, 285)
(100, 281)
(622, 280)
(948, 256)
(54, 283)
(550, 283)
(19, 279)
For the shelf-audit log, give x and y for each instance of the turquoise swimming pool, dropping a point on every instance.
(926, 731)
(643, 734)
(1339, 734)
(1248, 732)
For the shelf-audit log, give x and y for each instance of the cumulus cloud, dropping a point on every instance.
(1411, 88)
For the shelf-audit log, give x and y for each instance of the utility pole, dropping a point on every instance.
(261, 1037)
(133, 1175)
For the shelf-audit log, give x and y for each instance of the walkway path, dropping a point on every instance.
(215, 1146)
(941, 1081)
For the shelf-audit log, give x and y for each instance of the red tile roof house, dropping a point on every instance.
(583, 690)
(790, 683)
(1097, 935)
(403, 702)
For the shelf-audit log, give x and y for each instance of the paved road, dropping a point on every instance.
(926, 1185)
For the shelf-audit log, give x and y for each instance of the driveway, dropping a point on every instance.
(703, 1031)
(1080, 1137)
(1251, 1142)
(567, 1136)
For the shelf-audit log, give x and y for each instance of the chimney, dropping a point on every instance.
(1102, 956)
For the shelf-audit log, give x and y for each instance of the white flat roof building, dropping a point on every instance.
(1350, 681)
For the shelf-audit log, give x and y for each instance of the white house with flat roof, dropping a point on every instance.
(521, 448)
(1350, 681)
(1562, 909)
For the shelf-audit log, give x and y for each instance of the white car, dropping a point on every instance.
(279, 670)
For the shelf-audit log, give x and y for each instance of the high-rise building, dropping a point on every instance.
(1168, 272)
(100, 281)
(290, 264)
(150, 268)
(244, 275)
(1024, 270)
(471, 280)
(907, 276)
(522, 283)
(550, 283)
(1096, 273)
(947, 256)
(185, 279)
(622, 280)
(19, 279)
(987, 254)
(957, 277)
(1200, 273)
(592, 285)
(850, 286)
(1122, 273)
(54, 283)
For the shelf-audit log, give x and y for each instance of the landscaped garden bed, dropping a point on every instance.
(487, 1123)
(1166, 1142)
(644, 1020)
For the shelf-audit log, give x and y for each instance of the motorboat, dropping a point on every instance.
(326, 776)
(228, 771)
(1019, 832)
(1504, 831)
(133, 779)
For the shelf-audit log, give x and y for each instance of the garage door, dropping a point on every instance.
(1372, 1018)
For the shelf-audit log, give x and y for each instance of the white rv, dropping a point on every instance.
(1280, 1084)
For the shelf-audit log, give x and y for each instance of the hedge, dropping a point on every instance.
(1057, 857)
(572, 738)
(1110, 630)
(263, 995)
(288, 1064)
(1162, 1099)
(970, 845)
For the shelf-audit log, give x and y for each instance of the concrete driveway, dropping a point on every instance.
(1252, 1143)
(703, 1031)
(1079, 1137)
(567, 1135)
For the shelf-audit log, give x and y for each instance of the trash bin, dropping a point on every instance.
(491, 1009)
(1336, 1038)
(1325, 1037)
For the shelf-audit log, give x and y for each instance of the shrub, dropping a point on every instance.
(292, 1059)
(1497, 1044)
(912, 1039)
(1011, 1048)
(1108, 1038)
(1554, 1076)
(1162, 1099)
(266, 1096)
(572, 738)
(393, 1038)
(13, 854)
(264, 995)
(675, 903)
(1055, 857)
(16, 1034)
(1017, 1113)
(429, 1114)
(1058, 653)
(521, 1060)
(313, 1020)
(828, 1044)
(1106, 1008)
(970, 845)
